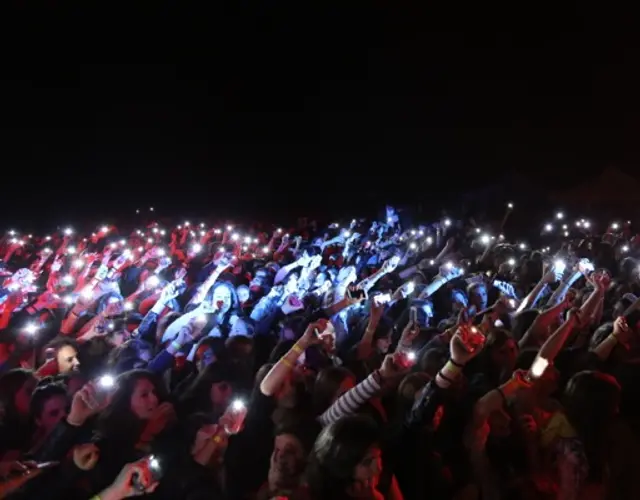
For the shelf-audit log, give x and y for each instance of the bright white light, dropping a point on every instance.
(31, 328)
(564, 226)
(587, 224)
(413, 246)
(68, 299)
(235, 236)
(186, 223)
(237, 405)
(346, 234)
(421, 233)
(153, 281)
(413, 232)
(449, 265)
(548, 227)
(222, 249)
(566, 233)
(625, 248)
(255, 240)
(478, 230)
(560, 265)
(265, 250)
(411, 356)
(429, 240)
(559, 216)
(48, 238)
(68, 231)
(12, 233)
(128, 306)
(140, 249)
(87, 292)
(123, 242)
(163, 232)
(432, 262)
(245, 248)
(46, 250)
(78, 263)
(113, 245)
(511, 262)
(154, 230)
(149, 240)
(71, 250)
(217, 231)
(509, 205)
(447, 222)
(485, 239)
(104, 229)
(196, 248)
(107, 381)
(230, 228)
(247, 239)
(202, 224)
(522, 246)
(615, 225)
(578, 223)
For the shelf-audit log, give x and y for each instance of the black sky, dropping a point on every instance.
(249, 107)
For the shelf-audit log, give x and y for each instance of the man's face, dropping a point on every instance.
(67, 359)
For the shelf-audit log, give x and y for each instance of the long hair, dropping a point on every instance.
(336, 452)
(591, 401)
(196, 397)
(118, 425)
(326, 386)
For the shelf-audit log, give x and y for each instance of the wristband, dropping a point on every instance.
(286, 363)
(454, 363)
(443, 377)
(296, 348)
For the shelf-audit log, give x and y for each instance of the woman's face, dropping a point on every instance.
(67, 359)
(222, 298)
(479, 297)
(220, 394)
(53, 411)
(287, 461)
(22, 397)
(144, 400)
(243, 294)
(367, 474)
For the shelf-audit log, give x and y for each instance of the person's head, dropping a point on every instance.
(211, 391)
(346, 460)
(207, 352)
(591, 401)
(331, 383)
(223, 297)
(243, 293)
(502, 351)
(137, 395)
(260, 281)
(382, 336)
(48, 406)
(16, 387)
(291, 447)
(478, 297)
(66, 354)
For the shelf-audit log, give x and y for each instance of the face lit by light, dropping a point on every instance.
(222, 295)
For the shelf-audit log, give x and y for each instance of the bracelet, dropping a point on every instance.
(615, 337)
(286, 363)
(454, 363)
(296, 348)
(444, 377)
(95, 497)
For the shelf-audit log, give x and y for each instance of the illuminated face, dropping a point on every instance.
(222, 298)
(67, 359)
(143, 399)
(243, 294)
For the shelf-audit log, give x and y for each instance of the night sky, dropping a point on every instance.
(259, 109)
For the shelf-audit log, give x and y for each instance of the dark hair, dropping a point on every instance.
(41, 395)
(197, 397)
(591, 401)
(336, 452)
(10, 383)
(327, 383)
(118, 424)
(60, 342)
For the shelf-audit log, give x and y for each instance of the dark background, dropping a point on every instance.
(255, 109)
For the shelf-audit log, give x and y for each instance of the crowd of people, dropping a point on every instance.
(363, 360)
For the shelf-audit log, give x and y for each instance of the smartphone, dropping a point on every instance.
(405, 359)
(152, 464)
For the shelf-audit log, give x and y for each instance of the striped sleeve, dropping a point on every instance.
(350, 401)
